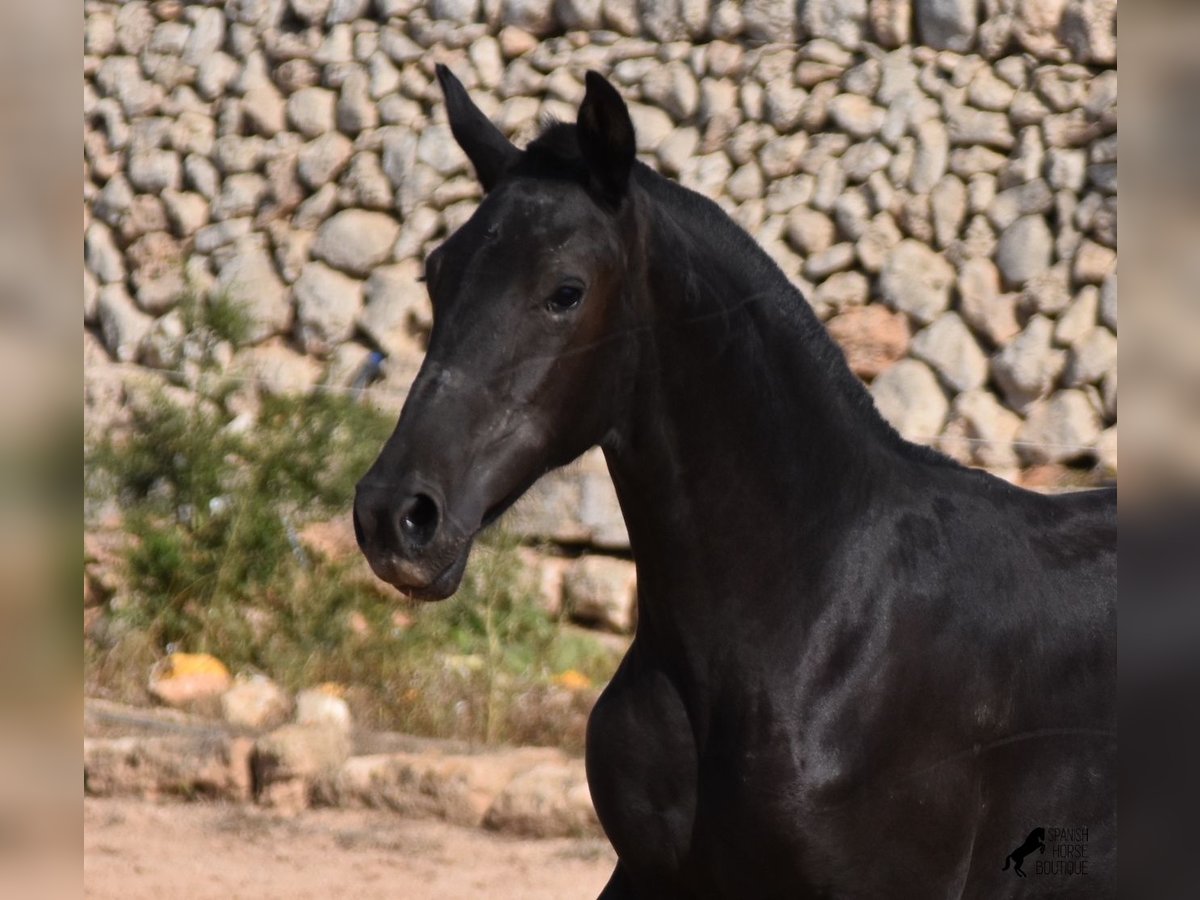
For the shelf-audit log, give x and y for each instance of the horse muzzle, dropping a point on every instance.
(410, 544)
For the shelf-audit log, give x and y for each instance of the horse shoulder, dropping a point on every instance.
(642, 765)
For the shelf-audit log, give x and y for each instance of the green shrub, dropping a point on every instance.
(214, 564)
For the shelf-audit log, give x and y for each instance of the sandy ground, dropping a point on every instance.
(189, 851)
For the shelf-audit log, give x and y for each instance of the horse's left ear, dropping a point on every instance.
(606, 138)
(490, 151)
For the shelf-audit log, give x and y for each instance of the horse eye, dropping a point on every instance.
(564, 298)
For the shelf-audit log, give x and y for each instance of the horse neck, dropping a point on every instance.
(744, 432)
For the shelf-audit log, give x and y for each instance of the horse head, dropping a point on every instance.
(526, 359)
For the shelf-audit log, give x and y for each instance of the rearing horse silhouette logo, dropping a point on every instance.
(1035, 841)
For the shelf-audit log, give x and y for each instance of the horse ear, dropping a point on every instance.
(490, 151)
(606, 138)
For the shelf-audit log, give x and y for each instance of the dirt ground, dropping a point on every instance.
(194, 851)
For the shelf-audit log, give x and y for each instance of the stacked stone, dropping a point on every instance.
(949, 208)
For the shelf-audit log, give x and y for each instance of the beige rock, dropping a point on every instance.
(908, 395)
(981, 430)
(917, 281)
(255, 702)
(856, 115)
(601, 591)
(985, 309)
(122, 324)
(1093, 263)
(356, 240)
(575, 504)
(548, 800)
(949, 347)
(873, 338)
(324, 707)
(1027, 368)
(809, 231)
(841, 290)
(175, 766)
(249, 279)
(397, 311)
(327, 306)
(453, 788)
(1079, 319)
(288, 760)
(323, 159)
(277, 369)
(1092, 357)
(1060, 429)
(311, 111)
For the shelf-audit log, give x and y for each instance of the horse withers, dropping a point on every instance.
(860, 669)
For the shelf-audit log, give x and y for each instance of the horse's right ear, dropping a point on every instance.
(490, 151)
(606, 138)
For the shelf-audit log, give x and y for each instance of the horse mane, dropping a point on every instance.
(555, 153)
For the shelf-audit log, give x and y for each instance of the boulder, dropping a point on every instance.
(122, 324)
(947, 24)
(397, 309)
(951, 349)
(773, 21)
(840, 21)
(327, 307)
(322, 160)
(1091, 358)
(981, 431)
(909, 397)
(1025, 249)
(1079, 319)
(1027, 368)
(1089, 28)
(575, 504)
(323, 706)
(601, 591)
(277, 369)
(255, 702)
(356, 240)
(101, 256)
(287, 761)
(454, 788)
(1059, 429)
(181, 767)
(809, 231)
(916, 280)
(546, 801)
(981, 304)
(310, 111)
(533, 16)
(872, 337)
(249, 279)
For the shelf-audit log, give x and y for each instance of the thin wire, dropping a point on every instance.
(114, 369)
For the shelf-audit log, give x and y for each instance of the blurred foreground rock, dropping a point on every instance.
(525, 791)
(255, 702)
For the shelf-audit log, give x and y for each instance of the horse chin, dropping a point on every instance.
(415, 585)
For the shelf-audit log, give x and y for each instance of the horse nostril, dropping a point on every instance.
(419, 519)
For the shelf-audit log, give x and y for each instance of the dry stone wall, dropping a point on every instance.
(939, 177)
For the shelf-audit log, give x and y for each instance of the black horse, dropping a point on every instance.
(859, 667)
